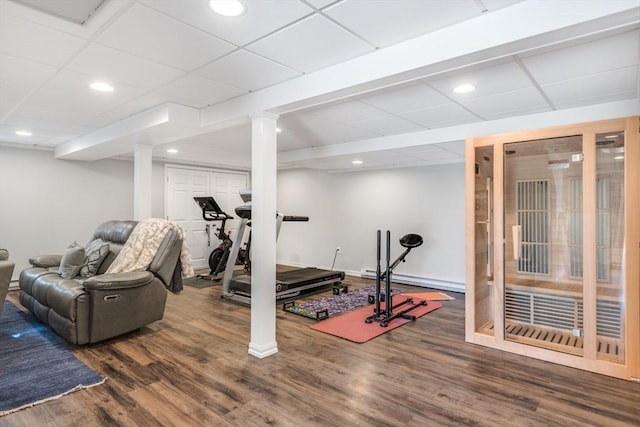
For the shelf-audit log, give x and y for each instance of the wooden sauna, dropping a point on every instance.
(553, 245)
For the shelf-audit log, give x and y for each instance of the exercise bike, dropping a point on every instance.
(211, 211)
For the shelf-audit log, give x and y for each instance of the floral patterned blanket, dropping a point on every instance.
(143, 243)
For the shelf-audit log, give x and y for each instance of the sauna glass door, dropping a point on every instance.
(543, 230)
(609, 246)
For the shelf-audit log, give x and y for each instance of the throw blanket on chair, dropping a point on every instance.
(142, 246)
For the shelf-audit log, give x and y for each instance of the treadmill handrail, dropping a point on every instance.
(295, 218)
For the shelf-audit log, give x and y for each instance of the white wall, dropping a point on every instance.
(46, 203)
(158, 183)
(346, 209)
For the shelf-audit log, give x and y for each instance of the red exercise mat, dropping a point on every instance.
(351, 325)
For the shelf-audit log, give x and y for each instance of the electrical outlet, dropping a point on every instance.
(339, 250)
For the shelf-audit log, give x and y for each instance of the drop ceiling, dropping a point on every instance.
(369, 80)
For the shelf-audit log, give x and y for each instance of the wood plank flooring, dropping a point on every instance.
(192, 369)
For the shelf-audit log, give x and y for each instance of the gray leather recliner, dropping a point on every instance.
(87, 310)
(6, 271)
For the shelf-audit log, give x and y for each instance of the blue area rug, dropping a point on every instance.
(36, 365)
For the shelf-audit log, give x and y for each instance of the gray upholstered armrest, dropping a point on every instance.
(118, 280)
(45, 261)
(4, 254)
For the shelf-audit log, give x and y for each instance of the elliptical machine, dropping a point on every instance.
(211, 211)
(384, 316)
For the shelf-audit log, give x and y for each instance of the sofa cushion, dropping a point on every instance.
(72, 261)
(96, 251)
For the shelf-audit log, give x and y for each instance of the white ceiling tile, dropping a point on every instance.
(387, 125)
(8, 134)
(338, 134)
(150, 34)
(40, 118)
(137, 105)
(231, 146)
(24, 39)
(498, 78)
(321, 3)
(596, 88)
(303, 122)
(48, 117)
(11, 94)
(76, 11)
(440, 116)
(262, 17)
(499, 4)
(597, 56)
(390, 21)
(321, 130)
(371, 160)
(311, 44)
(406, 98)
(20, 70)
(428, 152)
(347, 111)
(247, 71)
(507, 104)
(119, 67)
(457, 147)
(70, 91)
(201, 90)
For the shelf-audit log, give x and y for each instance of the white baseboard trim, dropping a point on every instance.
(406, 279)
(424, 282)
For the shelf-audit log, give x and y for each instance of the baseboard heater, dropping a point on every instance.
(424, 282)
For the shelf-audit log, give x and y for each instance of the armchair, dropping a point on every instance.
(92, 307)
(6, 271)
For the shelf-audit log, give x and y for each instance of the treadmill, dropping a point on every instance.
(289, 284)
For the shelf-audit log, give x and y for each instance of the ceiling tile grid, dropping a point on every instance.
(247, 70)
(119, 67)
(390, 21)
(595, 88)
(264, 17)
(27, 40)
(158, 51)
(200, 91)
(413, 96)
(300, 47)
(594, 57)
(147, 33)
(441, 116)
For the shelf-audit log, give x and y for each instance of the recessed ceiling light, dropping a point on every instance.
(23, 133)
(465, 88)
(101, 87)
(228, 7)
(172, 151)
(357, 162)
(278, 130)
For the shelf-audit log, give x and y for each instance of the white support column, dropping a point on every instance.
(263, 235)
(142, 178)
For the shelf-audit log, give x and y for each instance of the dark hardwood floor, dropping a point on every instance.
(192, 369)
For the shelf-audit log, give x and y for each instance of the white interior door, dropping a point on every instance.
(182, 186)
